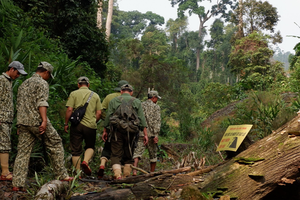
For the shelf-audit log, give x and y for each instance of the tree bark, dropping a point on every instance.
(241, 22)
(109, 18)
(99, 14)
(51, 190)
(281, 154)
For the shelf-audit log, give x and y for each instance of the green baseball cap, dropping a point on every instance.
(120, 83)
(126, 86)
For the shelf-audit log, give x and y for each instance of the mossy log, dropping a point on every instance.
(278, 156)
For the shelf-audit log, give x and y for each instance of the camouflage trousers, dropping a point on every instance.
(140, 149)
(5, 143)
(27, 137)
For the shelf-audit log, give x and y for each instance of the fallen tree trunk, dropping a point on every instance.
(259, 170)
(140, 178)
(52, 190)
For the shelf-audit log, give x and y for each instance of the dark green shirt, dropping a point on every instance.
(116, 102)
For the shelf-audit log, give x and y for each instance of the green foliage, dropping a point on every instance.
(216, 96)
(132, 24)
(258, 16)
(295, 59)
(250, 59)
(74, 24)
(265, 110)
(295, 77)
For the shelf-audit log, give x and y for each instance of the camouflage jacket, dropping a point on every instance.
(152, 115)
(32, 94)
(6, 99)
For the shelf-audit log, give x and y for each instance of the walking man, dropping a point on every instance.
(86, 129)
(124, 118)
(33, 123)
(14, 70)
(106, 153)
(152, 115)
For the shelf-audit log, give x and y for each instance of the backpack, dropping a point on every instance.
(125, 118)
(79, 112)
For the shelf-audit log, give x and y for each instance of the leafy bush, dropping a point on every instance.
(215, 96)
(265, 110)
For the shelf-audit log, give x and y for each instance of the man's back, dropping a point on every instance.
(116, 102)
(32, 94)
(78, 98)
(152, 115)
(108, 98)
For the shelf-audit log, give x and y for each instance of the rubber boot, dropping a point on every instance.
(152, 166)
(117, 171)
(88, 154)
(103, 161)
(4, 157)
(127, 170)
(76, 162)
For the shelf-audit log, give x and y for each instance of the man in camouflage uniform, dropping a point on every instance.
(105, 155)
(14, 70)
(152, 115)
(33, 123)
(121, 143)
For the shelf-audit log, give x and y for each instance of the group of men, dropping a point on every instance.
(126, 121)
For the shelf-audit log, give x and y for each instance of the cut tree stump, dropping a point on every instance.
(267, 161)
(52, 190)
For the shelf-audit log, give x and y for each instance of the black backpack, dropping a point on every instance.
(125, 118)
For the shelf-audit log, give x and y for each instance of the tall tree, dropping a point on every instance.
(176, 28)
(132, 24)
(250, 58)
(99, 14)
(219, 47)
(256, 15)
(240, 32)
(109, 18)
(194, 7)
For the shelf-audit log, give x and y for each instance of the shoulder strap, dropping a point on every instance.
(87, 102)
(90, 97)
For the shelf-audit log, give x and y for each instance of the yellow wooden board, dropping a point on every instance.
(233, 137)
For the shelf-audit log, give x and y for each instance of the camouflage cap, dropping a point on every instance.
(120, 83)
(83, 79)
(47, 66)
(153, 93)
(126, 86)
(18, 66)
